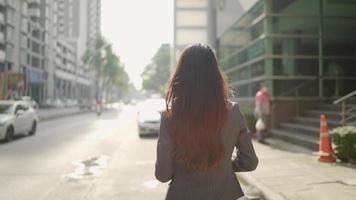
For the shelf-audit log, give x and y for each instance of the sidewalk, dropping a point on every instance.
(53, 113)
(292, 176)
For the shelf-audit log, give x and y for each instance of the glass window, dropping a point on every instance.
(23, 58)
(35, 62)
(295, 46)
(5, 108)
(258, 69)
(296, 7)
(339, 67)
(10, 16)
(339, 47)
(241, 91)
(285, 66)
(282, 87)
(10, 34)
(256, 30)
(255, 50)
(10, 52)
(238, 75)
(191, 18)
(241, 56)
(298, 26)
(340, 27)
(345, 8)
(243, 32)
(23, 107)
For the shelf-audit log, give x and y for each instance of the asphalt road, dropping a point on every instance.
(81, 157)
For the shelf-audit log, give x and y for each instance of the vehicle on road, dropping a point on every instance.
(30, 101)
(149, 116)
(17, 117)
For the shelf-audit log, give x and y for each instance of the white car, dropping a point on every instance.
(30, 101)
(149, 116)
(16, 117)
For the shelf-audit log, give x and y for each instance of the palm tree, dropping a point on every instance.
(95, 58)
(108, 70)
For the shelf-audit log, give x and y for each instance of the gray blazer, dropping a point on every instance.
(216, 184)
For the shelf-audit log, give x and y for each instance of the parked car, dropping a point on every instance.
(30, 101)
(17, 117)
(149, 117)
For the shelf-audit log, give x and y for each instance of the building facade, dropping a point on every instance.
(193, 23)
(76, 25)
(23, 68)
(41, 46)
(302, 50)
(288, 43)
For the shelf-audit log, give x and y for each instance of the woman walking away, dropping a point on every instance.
(199, 131)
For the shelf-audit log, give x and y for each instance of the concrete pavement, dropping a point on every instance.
(283, 175)
(50, 165)
(54, 165)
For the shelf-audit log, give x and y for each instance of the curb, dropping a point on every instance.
(268, 193)
(48, 118)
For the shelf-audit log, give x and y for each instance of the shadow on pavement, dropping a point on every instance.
(108, 114)
(16, 138)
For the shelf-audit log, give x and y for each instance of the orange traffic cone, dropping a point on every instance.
(325, 149)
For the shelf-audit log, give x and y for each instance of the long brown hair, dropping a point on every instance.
(196, 104)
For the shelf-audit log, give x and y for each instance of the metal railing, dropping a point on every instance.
(348, 115)
(296, 93)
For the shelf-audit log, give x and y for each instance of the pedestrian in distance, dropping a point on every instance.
(199, 131)
(98, 107)
(262, 112)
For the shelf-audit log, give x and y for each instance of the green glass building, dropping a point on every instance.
(300, 49)
(285, 43)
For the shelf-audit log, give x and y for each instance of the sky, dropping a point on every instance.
(137, 28)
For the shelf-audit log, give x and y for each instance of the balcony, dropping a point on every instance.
(2, 55)
(34, 1)
(2, 38)
(34, 12)
(11, 4)
(2, 18)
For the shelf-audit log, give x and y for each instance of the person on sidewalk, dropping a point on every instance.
(199, 130)
(262, 112)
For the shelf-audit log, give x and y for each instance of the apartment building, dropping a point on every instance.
(41, 46)
(76, 24)
(21, 49)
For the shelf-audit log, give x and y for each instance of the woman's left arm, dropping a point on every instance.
(164, 163)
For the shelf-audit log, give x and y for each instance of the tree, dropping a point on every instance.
(156, 74)
(109, 72)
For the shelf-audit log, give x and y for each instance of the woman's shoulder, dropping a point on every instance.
(234, 110)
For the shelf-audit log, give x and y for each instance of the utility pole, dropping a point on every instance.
(6, 70)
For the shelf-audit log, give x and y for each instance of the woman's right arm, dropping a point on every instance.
(164, 163)
(247, 159)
